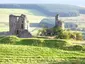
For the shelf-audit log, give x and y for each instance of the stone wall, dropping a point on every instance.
(17, 26)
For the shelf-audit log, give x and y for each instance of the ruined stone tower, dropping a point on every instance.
(17, 26)
(58, 23)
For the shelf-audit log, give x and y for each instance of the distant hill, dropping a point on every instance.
(49, 9)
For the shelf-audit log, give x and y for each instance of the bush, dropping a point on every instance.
(9, 40)
(75, 35)
(79, 36)
(72, 35)
(61, 34)
(64, 35)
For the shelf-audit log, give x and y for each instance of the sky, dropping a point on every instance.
(71, 2)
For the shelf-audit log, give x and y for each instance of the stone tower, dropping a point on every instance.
(58, 23)
(17, 26)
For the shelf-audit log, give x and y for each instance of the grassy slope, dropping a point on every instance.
(30, 54)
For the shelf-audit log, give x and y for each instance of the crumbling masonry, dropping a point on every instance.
(17, 26)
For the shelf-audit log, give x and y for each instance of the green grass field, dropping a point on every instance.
(19, 54)
(15, 50)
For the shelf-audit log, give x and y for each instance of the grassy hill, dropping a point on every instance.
(14, 50)
(49, 9)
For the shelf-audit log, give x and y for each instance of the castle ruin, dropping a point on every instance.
(58, 23)
(17, 26)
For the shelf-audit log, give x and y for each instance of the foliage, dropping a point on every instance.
(79, 36)
(42, 32)
(62, 34)
(72, 35)
(76, 35)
